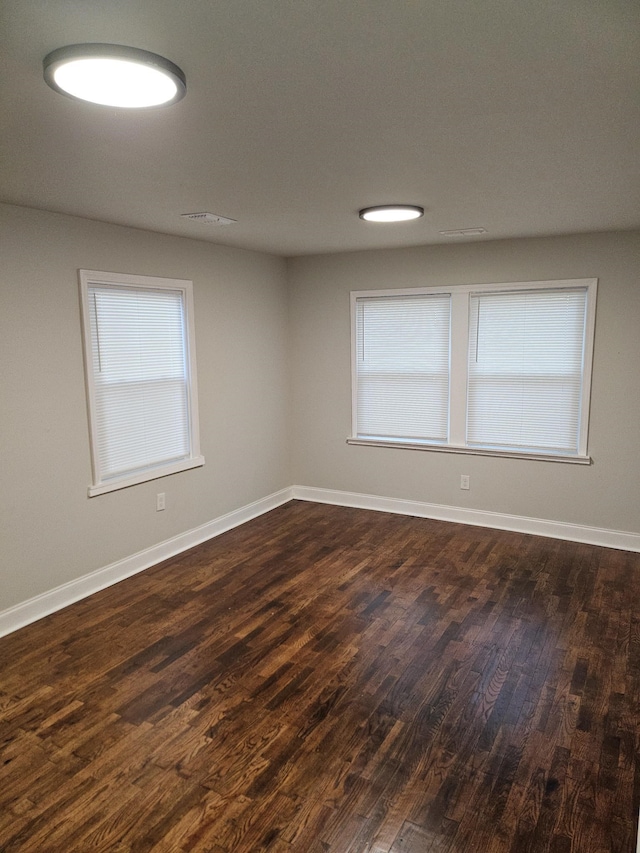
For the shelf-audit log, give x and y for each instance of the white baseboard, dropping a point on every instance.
(48, 602)
(55, 599)
(521, 524)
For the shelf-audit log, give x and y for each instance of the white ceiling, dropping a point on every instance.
(520, 116)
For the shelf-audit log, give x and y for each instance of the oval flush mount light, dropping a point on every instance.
(391, 213)
(114, 75)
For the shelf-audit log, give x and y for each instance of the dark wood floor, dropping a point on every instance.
(330, 680)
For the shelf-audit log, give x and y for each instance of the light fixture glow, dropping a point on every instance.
(114, 75)
(391, 213)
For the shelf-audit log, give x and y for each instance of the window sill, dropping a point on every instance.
(470, 451)
(145, 476)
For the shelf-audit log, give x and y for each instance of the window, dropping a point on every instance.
(141, 378)
(402, 346)
(500, 369)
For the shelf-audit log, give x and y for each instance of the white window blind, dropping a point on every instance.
(402, 367)
(490, 369)
(141, 390)
(526, 356)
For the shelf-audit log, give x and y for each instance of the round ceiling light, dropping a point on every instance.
(114, 75)
(391, 213)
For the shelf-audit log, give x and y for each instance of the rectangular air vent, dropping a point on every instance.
(208, 218)
(463, 232)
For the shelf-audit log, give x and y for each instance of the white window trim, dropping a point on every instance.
(460, 294)
(100, 486)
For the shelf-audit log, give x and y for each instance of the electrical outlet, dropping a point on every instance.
(464, 481)
(159, 501)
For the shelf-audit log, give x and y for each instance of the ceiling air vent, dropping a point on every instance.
(208, 218)
(463, 232)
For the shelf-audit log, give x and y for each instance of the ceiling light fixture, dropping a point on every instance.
(391, 213)
(114, 75)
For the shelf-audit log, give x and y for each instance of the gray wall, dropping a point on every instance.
(606, 494)
(51, 532)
